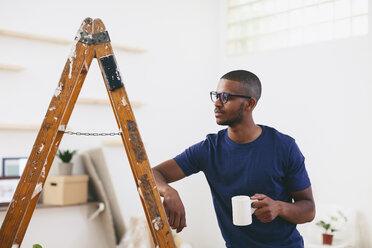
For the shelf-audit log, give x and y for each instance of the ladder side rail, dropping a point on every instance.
(28, 186)
(133, 144)
(51, 155)
(127, 150)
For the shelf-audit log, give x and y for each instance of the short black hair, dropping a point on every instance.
(250, 82)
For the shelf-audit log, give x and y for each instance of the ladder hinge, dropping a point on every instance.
(94, 39)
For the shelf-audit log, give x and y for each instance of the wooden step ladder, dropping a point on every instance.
(91, 41)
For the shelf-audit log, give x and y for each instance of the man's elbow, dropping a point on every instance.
(311, 212)
(312, 216)
(308, 213)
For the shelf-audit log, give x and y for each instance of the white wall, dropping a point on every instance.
(320, 95)
(173, 79)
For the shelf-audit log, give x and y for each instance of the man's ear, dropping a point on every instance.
(251, 103)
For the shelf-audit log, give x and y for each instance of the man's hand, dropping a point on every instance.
(175, 210)
(302, 210)
(165, 173)
(267, 209)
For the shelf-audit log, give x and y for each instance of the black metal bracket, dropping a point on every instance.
(111, 72)
(94, 39)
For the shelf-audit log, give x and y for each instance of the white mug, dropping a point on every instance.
(242, 210)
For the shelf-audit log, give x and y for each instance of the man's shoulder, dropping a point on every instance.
(281, 142)
(277, 135)
(214, 137)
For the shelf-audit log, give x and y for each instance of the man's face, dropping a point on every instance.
(230, 113)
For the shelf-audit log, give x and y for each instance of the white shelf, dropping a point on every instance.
(134, 104)
(112, 142)
(115, 142)
(22, 35)
(44, 206)
(18, 127)
(11, 67)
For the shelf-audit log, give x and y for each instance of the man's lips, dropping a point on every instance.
(218, 112)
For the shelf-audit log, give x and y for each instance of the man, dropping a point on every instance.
(244, 159)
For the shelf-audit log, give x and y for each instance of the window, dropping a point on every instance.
(257, 25)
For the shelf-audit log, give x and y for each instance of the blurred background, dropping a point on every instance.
(313, 58)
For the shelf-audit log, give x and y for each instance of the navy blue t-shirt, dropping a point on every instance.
(272, 165)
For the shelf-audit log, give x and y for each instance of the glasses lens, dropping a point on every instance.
(224, 97)
(213, 96)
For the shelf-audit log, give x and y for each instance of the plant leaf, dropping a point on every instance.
(66, 155)
(327, 226)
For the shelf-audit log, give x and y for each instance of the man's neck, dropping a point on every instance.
(244, 132)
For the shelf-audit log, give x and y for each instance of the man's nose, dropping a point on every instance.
(218, 103)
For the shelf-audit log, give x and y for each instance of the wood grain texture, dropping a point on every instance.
(51, 155)
(43, 152)
(136, 153)
(27, 193)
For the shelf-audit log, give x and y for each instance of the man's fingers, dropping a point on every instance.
(258, 197)
(259, 204)
(167, 213)
(175, 212)
(259, 212)
(182, 224)
(264, 215)
(171, 219)
(176, 221)
(260, 215)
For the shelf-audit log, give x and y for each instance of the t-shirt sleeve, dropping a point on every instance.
(191, 160)
(297, 178)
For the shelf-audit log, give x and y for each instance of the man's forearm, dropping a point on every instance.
(165, 173)
(161, 183)
(299, 212)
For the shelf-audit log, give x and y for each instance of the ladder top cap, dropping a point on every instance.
(88, 20)
(86, 26)
(99, 26)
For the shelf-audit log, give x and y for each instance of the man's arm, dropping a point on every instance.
(165, 173)
(301, 211)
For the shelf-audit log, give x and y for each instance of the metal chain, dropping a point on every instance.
(91, 134)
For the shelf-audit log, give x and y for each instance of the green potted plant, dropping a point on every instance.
(330, 227)
(65, 167)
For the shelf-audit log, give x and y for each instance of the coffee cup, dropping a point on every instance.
(242, 210)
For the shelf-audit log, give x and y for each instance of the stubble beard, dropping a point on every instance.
(233, 120)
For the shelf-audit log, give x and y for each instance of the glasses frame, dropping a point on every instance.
(228, 95)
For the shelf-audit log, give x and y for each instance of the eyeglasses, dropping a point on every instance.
(224, 97)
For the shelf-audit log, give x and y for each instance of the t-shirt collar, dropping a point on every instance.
(254, 142)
